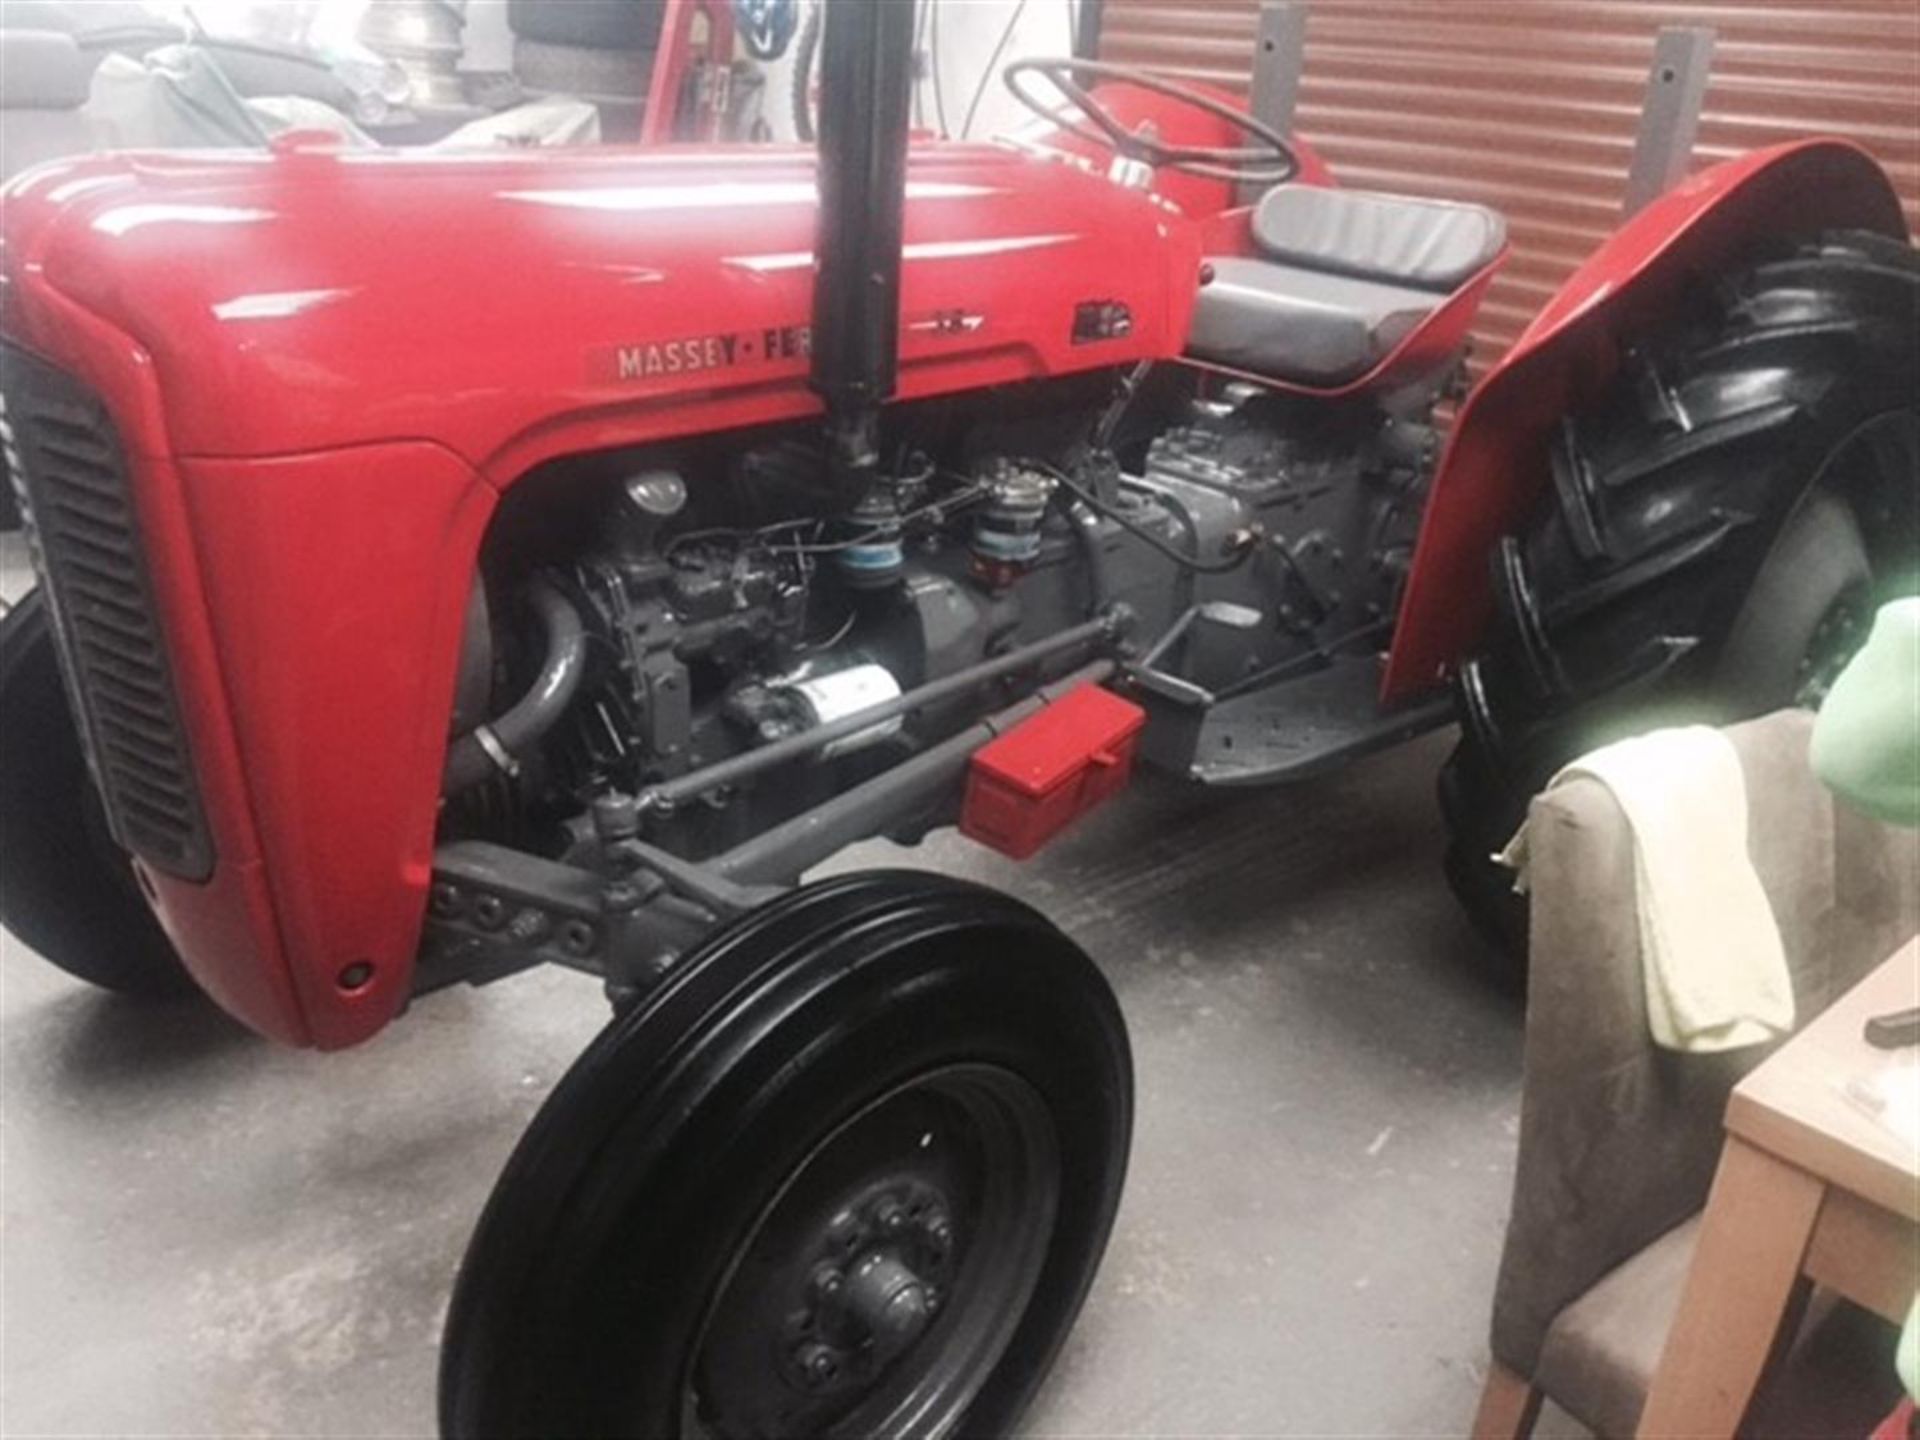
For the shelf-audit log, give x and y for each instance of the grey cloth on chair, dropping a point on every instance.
(1345, 276)
(43, 84)
(173, 99)
(270, 71)
(1619, 1139)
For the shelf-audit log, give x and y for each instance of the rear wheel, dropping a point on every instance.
(592, 24)
(1719, 531)
(806, 50)
(66, 890)
(848, 1173)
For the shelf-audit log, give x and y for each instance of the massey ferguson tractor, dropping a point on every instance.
(456, 564)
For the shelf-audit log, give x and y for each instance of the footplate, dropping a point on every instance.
(1289, 730)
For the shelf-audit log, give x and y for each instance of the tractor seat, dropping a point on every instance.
(1343, 277)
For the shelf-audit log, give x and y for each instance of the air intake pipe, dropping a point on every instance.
(866, 75)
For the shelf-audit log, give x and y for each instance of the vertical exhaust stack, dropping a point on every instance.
(866, 73)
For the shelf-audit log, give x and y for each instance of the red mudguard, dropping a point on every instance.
(1496, 458)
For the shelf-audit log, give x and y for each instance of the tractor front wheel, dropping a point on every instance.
(1719, 530)
(848, 1172)
(66, 889)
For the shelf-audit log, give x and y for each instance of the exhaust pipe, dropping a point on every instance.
(866, 73)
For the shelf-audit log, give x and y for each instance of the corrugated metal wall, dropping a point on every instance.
(1531, 106)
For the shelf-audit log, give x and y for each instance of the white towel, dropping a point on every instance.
(1716, 974)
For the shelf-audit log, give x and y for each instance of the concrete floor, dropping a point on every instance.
(204, 1235)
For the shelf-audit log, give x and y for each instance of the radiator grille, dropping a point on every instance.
(71, 478)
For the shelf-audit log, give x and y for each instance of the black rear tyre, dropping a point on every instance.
(806, 52)
(1719, 530)
(66, 890)
(591, 24)
(849, 1172)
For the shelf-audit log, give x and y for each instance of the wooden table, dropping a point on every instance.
(1809, 1184)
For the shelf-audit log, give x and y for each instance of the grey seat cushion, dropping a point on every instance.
(82, 18)
(1346, 275)
(1428, 244)
(1299, 324)
(1601, 1351)
(42, 70)
(43, 84)
(98, 27)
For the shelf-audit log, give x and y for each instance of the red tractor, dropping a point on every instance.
(452, 565)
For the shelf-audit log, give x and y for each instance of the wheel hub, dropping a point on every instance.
(881, 1284)
(874, 1287)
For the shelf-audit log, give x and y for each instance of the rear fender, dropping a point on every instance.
(1495, 464)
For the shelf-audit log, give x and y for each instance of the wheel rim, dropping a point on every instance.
(1881, 459)
(878, 1289)
(1836, 639)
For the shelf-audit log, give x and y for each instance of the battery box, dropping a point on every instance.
(1053, 767)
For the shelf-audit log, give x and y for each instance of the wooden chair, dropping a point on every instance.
(1618, 1139)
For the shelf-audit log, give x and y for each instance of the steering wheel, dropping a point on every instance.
(1270, 161)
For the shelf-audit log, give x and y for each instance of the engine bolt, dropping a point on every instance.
(845, 1233)
(818, 1364)
(489, 912)
(444, 899)
(828, 1282)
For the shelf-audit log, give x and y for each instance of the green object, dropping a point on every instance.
(1866, 743)
(1906, 1359)
(1866, 748)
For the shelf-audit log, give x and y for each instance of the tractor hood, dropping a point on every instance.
(511, 306)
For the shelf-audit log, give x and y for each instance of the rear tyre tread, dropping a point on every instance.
(589, 24)
(1668, 498)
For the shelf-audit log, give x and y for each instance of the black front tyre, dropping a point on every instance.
(848, 1173)
(66, 890)
(1718, 533)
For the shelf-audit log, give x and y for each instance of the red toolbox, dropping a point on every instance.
(1049, 770)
